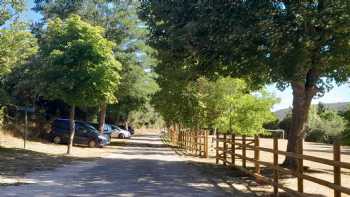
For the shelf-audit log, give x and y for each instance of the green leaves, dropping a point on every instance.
(123, 27)
(80, 67)
(325, 126)
(245, 114)
(225, 104)
(9, 8)
(258, 40)
(17, 45)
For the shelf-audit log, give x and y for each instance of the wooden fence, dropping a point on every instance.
(190, 141)
(226, 152)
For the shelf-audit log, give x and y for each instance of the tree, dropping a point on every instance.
(302, 44)
(122, 26)
(9, 9)
(245, 114)
(17, 48)
(324, 126)
(78, 65)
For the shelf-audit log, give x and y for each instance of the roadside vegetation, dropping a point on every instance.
(191, 64)
(299, 44)
(83, 60)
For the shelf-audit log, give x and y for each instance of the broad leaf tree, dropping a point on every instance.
(17, 48)
(78, 65)
(123, 27)
(301, 44)
(9, 9)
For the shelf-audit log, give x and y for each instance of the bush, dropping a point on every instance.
(324, 126)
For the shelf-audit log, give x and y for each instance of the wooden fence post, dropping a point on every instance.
(275, 165)
(300, 169)
(186, 140)
(181, 138)
(200, 143)
(196, 142)
(233, 150)
(336, 168)
(206, 143)
(256, 154)
(217, 148)
(191, 141)
(225, 149)
(244, 163)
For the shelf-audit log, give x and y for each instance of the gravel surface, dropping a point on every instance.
(141, 167)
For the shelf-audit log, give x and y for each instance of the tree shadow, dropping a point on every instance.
(136, 144)
(17, 162)
(124, 177)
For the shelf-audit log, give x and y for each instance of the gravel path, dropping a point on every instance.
(142, 167)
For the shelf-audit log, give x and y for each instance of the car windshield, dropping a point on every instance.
(89, 127)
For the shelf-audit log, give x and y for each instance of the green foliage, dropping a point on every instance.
(123, 27)
(9, 8)
(146, 117)
(303, 44)
(245, 114)
(225, 103)
(79, 66)
(286, 123)
(266, 41)
(346, 134)
(17, 45)
(324, 127)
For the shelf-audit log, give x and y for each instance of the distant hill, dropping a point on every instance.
(282, 113)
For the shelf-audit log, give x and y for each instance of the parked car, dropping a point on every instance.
(119, 132)
(106, 131)
(85, 134)
(130, 129)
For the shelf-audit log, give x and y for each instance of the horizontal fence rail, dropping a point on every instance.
(194, 142)
(227, 146)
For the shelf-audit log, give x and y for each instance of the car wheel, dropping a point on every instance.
(92, 144)
(121, 136)
(57, 140)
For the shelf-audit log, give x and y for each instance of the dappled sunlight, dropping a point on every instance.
(136, 167)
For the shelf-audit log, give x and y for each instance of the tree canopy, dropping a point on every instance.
(123, 27)
(17, 46)
(10, 8)
(79, 65)
(302, 44)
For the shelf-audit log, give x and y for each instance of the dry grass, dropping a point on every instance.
(314, 169)
(15, 161)
(317, 170)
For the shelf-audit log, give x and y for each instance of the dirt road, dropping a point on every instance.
(142, 166)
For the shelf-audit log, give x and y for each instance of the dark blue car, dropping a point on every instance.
(85, 134)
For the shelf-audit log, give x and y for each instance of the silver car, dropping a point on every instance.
(119, 133)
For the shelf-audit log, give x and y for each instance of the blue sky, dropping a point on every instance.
(337, 94)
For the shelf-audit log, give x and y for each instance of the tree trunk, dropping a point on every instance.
(102, 117)
(71, 128)
(127, 125)
(302, 97)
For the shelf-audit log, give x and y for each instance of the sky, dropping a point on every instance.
(337, 94)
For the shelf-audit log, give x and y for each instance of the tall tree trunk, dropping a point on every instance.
(127, 125)
(102, 117)
(302, 97)
(71, 128)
